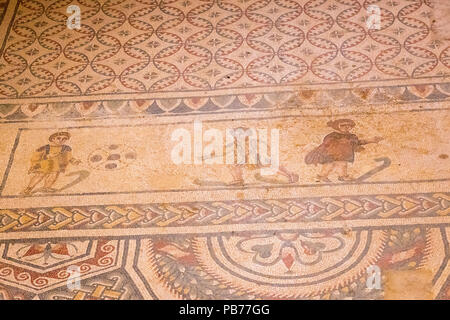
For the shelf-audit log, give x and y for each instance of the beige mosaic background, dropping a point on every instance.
(109, 201)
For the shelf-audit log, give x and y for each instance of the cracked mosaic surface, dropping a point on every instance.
(87, 181)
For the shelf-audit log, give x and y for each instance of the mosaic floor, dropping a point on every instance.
(93, 205)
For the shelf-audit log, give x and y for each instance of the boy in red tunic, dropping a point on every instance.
(337, 150)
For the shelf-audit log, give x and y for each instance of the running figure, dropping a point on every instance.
(49, 161)
(337, 150)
